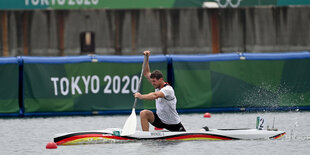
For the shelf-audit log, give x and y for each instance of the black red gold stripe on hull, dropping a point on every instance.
(85, 138)
(278, 136)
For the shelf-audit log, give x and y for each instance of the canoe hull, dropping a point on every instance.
(112, 135)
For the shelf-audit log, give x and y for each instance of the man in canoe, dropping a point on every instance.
(166, 115)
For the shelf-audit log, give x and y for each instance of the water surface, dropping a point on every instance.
(30, 135)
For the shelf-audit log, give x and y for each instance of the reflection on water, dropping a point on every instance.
(160, 143)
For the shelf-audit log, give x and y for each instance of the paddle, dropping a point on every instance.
(131, 122)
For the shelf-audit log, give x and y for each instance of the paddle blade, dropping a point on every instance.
(130, 125)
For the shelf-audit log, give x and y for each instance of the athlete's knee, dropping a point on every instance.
(144, 113)
(147, 114)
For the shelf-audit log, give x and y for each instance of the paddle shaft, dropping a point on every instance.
(131, 123)
(139, 84)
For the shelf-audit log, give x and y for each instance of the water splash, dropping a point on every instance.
(270, 95)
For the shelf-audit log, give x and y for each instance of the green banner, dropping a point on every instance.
(136, 4)
(84, 4)
(292, 2)
(107, 83)
(9, 87)
(85, 86)
(242, 83)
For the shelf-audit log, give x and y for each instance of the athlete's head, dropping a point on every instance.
(157, 79)
(156, 74)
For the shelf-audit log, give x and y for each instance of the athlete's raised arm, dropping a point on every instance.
(146, 71)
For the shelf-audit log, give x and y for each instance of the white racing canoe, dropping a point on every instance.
(113, 135)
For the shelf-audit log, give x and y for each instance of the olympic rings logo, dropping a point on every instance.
(228, 3)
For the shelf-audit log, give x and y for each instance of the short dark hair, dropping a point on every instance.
(156, 74)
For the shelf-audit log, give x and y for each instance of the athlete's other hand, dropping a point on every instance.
(137, 95)
(147, 53)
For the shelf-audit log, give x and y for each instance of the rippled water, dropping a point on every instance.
(30, 135)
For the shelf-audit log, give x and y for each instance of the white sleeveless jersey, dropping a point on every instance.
(166, 107)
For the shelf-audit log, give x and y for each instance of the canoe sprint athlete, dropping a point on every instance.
(166, 115)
